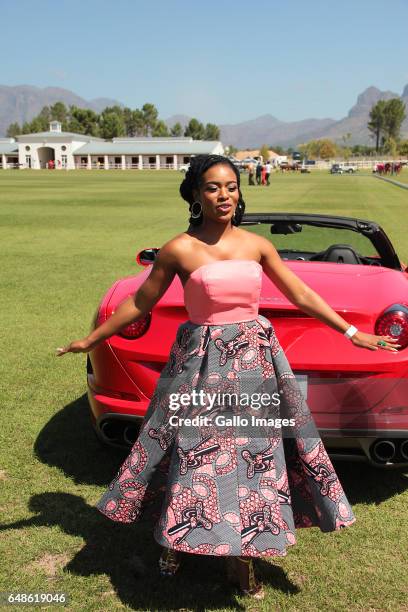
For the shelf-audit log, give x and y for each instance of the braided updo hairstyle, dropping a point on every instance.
(198, 166)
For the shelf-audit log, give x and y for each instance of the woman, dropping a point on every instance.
(263, 175)
(233, 490)
(251, 174)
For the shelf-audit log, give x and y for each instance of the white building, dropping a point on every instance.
(64, 150)
(8, 153)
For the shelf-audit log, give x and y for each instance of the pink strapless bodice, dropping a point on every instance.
(224, 291)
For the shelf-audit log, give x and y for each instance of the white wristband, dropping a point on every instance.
(350, 332)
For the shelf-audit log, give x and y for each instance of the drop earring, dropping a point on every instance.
(196, 210)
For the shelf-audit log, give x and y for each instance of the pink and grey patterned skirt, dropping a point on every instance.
(239, 478)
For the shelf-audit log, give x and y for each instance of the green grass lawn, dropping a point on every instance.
(402, 177)
(65, 238)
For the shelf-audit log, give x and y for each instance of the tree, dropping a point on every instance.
(133, 121)
(177, 129)
(327, 149)
(75, 126)
(42, 120)
(114, 121)
(195, 129)
(357, 150)
(83, 121)
(346, 151)
(160, 129)
(403, 148)
(278, 149)
(211, 132)
(129, 122)
(118, 110)
(394, 115)
(139, 122)
(38, 124)
(386, 118)
(362, 150)
(111, 125)
(59, 112)
(318, 149)
(150, 115)
(390, 146)
(13, 129)
(302, 148)
(264, 151)
(311, 149)
(26, 129)
(377, 122)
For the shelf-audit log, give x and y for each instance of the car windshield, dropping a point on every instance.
(311, 240)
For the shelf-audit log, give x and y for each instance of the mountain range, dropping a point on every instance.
(23, 102)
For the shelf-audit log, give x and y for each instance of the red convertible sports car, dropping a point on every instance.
(358, 397)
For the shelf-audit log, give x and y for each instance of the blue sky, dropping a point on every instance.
(221, 61)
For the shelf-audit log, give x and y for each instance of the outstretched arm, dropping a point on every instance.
(310, 302)
(134, 307)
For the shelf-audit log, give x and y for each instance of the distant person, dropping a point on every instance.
(263, 175)
(258, 173)
(268, 170)
(251, 174)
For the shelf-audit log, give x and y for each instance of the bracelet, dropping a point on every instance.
(350, 332)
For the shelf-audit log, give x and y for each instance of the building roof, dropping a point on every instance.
(8, 147)
(59, 135)
(149, 147)
(153, 139)
(240, 155)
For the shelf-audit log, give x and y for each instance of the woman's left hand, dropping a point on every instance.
(370, 341)
(77, 346)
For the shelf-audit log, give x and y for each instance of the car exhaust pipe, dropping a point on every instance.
(404, 450)
(382, 451)
(130, 434)
(110, 430)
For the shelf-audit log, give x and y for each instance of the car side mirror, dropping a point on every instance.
(147, 256)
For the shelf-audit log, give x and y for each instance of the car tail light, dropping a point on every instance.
(137, 328)
(394, 322)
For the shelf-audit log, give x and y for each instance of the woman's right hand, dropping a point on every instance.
(133, 307)
(78, 346)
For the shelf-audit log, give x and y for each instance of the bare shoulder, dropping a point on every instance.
(172, 252)
(260, 243)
